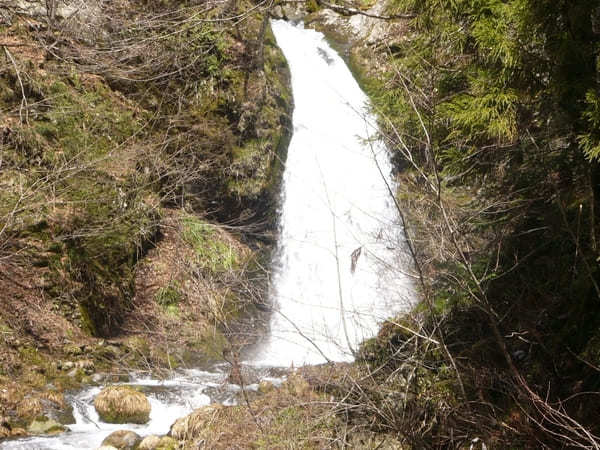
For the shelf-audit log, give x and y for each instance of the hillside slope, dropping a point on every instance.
(141, 146)
(490, 110)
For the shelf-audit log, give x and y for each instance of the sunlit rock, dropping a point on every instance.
(122, 440)
(47, 426)
(158, 443)
(149, 443)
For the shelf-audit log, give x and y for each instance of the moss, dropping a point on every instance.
(83, 117)
(169, 296)
(211, 252)
(31, 355)
(87, 324)
(47, 427)
(139, 344)
(209, 347)
(312, 6)
(167, 443)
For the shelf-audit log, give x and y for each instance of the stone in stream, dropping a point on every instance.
(56, 408)
(122, 404)
(98, 378)
(45, 426)
(122, 440)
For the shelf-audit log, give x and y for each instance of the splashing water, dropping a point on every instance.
(336, 272)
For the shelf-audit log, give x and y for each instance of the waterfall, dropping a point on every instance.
(335, 273)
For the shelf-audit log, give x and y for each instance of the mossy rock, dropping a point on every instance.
(149, 443)
(122, 404)
(122, 440)
(167, 443)
(153, 442)
(45, 426)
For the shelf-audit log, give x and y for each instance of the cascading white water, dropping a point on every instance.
(336, 272)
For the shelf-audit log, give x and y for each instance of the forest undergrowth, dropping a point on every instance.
(140, 155)
(490, 110)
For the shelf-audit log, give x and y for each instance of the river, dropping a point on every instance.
(335, 273)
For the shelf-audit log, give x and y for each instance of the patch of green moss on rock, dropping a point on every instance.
(212, 253)
(48, 426)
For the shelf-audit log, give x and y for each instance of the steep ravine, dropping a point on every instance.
(365, 251)
(137, 209)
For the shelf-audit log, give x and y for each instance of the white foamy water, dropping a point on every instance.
(169, 400)
(335, 204)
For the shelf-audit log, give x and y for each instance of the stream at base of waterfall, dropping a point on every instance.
(337, 271)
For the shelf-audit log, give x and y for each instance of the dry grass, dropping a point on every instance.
(197, 424)
(292, 416)
(58, 398)
(29, 408)
(122, 404)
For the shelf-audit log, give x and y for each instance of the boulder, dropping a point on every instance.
(149, 443)
(158, 443)
(122, 440)
(122, 404)
(98, 378)
(45, 426)
(195, 424)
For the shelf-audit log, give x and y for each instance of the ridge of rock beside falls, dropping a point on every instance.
(141, 153)
(355, 29)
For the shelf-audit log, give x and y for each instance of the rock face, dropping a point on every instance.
(122, 404)
(195, 424)
(122, 440)
(352, 26)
